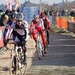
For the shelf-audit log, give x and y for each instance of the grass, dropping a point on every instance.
(54, 28)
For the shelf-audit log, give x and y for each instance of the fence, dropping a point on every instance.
(71, 26)
(63, 23)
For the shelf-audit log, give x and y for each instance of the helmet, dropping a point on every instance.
(35, 16)
(42, 14)
(19, 16)
(7, 12)
(13, 15)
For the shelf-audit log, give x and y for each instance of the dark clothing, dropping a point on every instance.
(20, 37)
(2, 20)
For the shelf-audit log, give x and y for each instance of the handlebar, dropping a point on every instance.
(9, 43)
(13, 44)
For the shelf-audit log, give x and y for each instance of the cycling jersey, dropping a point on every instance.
(37, 25)
(19, 32)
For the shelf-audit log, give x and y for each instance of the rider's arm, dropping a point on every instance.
(32, 26)
(10, 30)
(7, 36)
(48, 23)
(26, 29)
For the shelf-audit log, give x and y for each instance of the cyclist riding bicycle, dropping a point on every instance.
(36, 26)
(46, 24)
(20, 34)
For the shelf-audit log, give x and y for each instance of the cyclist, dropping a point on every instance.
(8, 26)
(46, 24)
(12, 19)
(36, 26)
(20, 34)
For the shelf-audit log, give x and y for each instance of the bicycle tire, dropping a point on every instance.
(39, 50)
(17, 67)
(11, 62)
(23, 70)
(42, 49)
(43, 53)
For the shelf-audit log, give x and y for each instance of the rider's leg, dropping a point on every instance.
(48, 37)
(25, 56)
(24, 51)
(34, 35)
(44, 41)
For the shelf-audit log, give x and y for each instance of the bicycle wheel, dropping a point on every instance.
(39, 50)
(43, 51)
(24, 66)
(23, 70)
(11, 62)
(16, 65)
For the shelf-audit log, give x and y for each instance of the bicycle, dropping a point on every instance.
(39, 46)
(18, 58)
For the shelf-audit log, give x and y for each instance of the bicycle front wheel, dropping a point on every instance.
(39, 50)
(24, 66)
(23, 70)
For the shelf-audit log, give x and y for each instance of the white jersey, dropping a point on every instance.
(20, 31)
(40, 23)
(9, 27)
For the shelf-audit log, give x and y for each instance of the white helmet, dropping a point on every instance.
(35, 16)
(19, 16)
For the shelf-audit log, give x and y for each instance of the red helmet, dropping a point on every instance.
(42, 14)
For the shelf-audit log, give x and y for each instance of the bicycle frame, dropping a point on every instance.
(18, 52)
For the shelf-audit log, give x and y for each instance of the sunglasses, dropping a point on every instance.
(19, 20)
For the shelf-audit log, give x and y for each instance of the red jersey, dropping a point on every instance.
(37, 25)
